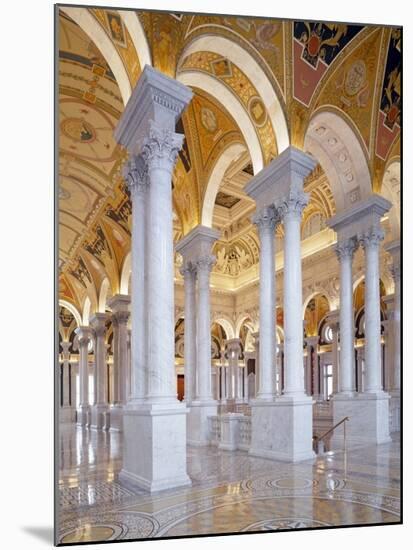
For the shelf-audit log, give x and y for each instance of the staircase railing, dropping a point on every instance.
(318, 438)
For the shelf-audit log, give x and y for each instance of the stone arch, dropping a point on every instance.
(73, 310)
(86, 311)
(390, 189)
(125, 273)
(96, 33)
(104, 294)
(232, 104)
(138, 36)
(251, 68)
(241, 320)
(229, 155)
(279, 333)
(226, 324)
(334, 143)
(316, 293)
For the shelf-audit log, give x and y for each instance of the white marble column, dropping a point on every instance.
(393, 248)
(84, 337)
(136, 176)
(154, 456)
(66, 411)
(345, 251)
(223, 379)
(233, 351)
(188, 272)
(282, 425)
(335, 356)
(313, 374)
(119, 304)
(290, 210)
(266, 221)
(98, 322)
(370, 242)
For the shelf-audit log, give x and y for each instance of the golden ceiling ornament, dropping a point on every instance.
(78, 129)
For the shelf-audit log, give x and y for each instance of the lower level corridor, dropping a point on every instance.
(231, 492)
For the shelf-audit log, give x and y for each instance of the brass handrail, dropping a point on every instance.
(319, 438)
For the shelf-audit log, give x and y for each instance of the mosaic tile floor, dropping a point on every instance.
(231, 492)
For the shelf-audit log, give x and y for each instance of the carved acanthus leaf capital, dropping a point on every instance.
(266, 219)
(205, 263)
(293, 204)
(135, 173)
(188, 269)
(160, 149)
(345, 249)
(371, 238)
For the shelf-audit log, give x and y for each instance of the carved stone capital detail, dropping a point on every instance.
(135, 173)
(345, 249)
(205, 264)
(293, 204)
(120, 317)
(188, 269)
(266, 219)
(371, 238)
(160, 149)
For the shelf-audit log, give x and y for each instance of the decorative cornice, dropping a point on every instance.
(374, 206)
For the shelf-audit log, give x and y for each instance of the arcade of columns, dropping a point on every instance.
(156, 425)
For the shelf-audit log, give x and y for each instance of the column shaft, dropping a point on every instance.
(189, 274)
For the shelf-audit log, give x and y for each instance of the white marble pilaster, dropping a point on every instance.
(233, 347)
(66, 412)
(188, 272)
(98, 323)
(84, 337)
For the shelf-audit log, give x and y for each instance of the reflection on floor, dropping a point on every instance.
(231, 492)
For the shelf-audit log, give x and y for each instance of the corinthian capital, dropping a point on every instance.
(266, 219)
(292, 204)
(187, 270)
(371, 238)
(135, 173)
(205, 263)
(160, 149)
(345, 249)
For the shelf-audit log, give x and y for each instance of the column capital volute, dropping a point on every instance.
(187, 270)
(312, 340)
(84, 335)
(135, 173)
(345, 248)
(266, 219)
(98, 323)
(233, 345)
(161, 147)
(204, 264)
(119, 302)
(371, 238)
(291, 204)
(66, 345)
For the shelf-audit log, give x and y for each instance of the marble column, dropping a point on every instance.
(345, 251)
(98, 322)
(233, 352)
(84, 337)
(282, 426)
(334, 324)
(136, 176)
(66, 412)
(313, 374)
(256, 337)
(119, 304)
(188, 272)
(266, 222)
(223, 391)
(154, 456)
(368, 410)
(195, 249)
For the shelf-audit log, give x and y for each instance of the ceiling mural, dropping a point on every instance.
(317, 308)
(353, 70)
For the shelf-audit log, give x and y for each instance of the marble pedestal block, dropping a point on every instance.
(197, 422)
(116, 418)
(98, 417)
(230, 431)
(83, 416)
(154, 454)
(282, 429)
(394, 405)
(368, 419)
(67, 414)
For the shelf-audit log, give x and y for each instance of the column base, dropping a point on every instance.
(67, 414)
(98, 417)
(394, 410)
(116, 417)
(83, 416)
(282, 429)
(229, 431)
(368, 419)
(154, 455)
(197, 422)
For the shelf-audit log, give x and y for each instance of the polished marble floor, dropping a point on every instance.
(231, 492)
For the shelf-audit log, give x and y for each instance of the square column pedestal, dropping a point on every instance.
(154, 454)
(197, 422)
(98, 417)
(116, 418)
(368, 420)
(282, 429)
(83, 416)
(394, 411)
